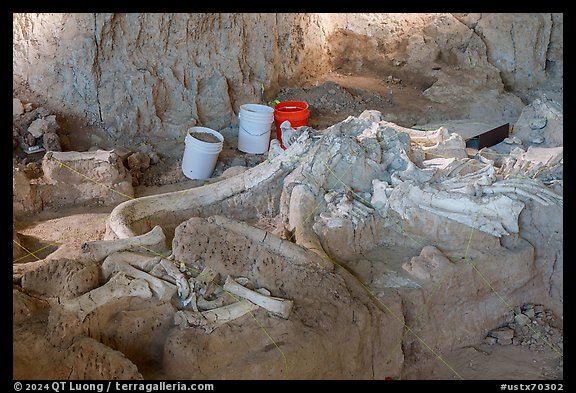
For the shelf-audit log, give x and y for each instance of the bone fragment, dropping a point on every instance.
(119, 286)
(113, 264)
(222, 315)
(181, 281)
(154, 240)
(275, 305)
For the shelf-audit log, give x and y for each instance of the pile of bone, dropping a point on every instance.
(201, 298)
(530, 325)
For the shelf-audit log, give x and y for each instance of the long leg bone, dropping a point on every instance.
(275, 305)
(154, 240)
(118, 287)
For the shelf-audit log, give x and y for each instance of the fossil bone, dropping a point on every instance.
(221, 315)
(181, 280)
(212, 319)
(120, 262)
(496, 215)
(118, 287)
(153, 240)
(275, 305)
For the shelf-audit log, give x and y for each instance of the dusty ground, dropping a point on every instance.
(336, 97)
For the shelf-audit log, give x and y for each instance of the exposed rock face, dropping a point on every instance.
(518, 45)
(173, 69)
(176, 70)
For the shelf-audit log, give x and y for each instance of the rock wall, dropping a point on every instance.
(160, 73)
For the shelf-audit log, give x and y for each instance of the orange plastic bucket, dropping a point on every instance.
(296, 112)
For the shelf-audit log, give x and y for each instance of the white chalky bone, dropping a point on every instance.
(113, 264)
(153, 240)
(191, 299)
(221, 315)
(212, 319)
(275, 305)
(525, 188)
(496, 215)
(181, 281)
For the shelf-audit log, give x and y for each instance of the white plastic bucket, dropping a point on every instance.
(200, 157)
(254, 128)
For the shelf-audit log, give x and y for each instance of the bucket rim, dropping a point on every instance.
(204, 130)
(265, 108)
(302, 105)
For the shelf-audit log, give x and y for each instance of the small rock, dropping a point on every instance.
(397, 63)
(502, 334)
(122, 152)
(516, 341)
(525, 330)
(536, 335)
(37, 128)
(238, 161)
(505, 341)
(509, 317)
(28, 107)
(514, 140)
(138, 161)
(17, 108)
(154, 158)
(332, 91)
(51, 142)
(522, 319)
(29, 139)
(538, 123)
(529, 313)
(538, 309)
(490, 340)
(41, 126)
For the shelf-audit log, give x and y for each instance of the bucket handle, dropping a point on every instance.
(246, 131)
